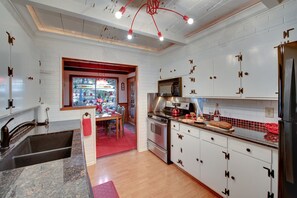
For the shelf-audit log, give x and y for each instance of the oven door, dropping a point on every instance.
(157, 132)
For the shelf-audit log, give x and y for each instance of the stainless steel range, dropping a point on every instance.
(158, 133)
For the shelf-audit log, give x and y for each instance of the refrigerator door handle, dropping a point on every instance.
(288, 151)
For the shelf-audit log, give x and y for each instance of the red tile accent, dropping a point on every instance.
(247, 124)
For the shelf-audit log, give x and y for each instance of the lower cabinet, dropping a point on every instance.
(185, 152)
(249, 170)
(214, 161)
(231, 167)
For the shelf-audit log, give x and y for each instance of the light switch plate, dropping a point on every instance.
(269, 112)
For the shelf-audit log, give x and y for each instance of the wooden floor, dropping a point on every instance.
(142, 175)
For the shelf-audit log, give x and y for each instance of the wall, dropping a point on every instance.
(229, 33)
(121, 78)
(53, 49)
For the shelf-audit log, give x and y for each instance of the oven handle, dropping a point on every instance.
(157, 122)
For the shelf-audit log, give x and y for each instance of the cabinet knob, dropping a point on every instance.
(215, 77)
(171, 145)
(246, 73)
(181, 150)
(184, 85)
(232, 177)
(189, 131)
(276, 92)
(30, 78)
(197, 159)
(210, 77)
(201, 161)
(212, 138)
(248, 150)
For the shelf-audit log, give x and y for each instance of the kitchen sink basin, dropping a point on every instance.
(39, 149)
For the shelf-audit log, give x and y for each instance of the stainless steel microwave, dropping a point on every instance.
(170, 87)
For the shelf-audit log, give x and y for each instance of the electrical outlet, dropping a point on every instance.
(269, 112)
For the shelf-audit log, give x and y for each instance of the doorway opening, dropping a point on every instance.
(110, 88)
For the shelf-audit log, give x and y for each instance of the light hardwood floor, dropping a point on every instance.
(143, 175)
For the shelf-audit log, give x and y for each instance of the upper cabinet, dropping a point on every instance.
(4, 79)
(19, 88)
(260, 68)
(215, 76)
(177, 69)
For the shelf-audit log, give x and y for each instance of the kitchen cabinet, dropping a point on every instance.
(260, 68)
(215, 76)
(274, 185)
(213, 161)
(178, 69)
(185, 149)
(229, 166)
(248, 168)
(24, 83)
(4, 79)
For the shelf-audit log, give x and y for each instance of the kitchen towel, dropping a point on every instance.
(87, 126)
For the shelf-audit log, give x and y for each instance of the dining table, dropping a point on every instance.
(112, 116)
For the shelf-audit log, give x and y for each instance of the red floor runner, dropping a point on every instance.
(106, 145)
(105, 190)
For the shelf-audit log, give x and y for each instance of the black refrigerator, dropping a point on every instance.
(287, 110)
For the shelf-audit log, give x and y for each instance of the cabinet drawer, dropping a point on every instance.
(214, 138)
(175, 125)
(190, 130)
(250, 149)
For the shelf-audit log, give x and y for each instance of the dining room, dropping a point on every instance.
(106, 87)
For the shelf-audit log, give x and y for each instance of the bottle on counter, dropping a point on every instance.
(216, 115)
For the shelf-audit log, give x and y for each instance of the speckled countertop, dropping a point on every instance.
(240, 133)
(66, 177)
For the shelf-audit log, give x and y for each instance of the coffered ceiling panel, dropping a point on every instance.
(94, 19)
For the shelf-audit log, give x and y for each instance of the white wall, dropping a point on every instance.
(52, 50)
(231, 32)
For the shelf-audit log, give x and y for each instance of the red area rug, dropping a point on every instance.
(109, 145)
(105, 190)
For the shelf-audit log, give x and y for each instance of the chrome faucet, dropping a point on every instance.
(6, 135)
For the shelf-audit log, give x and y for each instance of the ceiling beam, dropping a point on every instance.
(80, 10)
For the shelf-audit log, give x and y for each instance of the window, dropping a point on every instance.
(90, 91)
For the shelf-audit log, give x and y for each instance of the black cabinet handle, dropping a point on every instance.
(212, 138)
(201, 161)
(210, 77)
(189, 131)
(173, 125)
(197, 159)
(248, 150)
(184, 85)
(215, 77)
(181, 150)
(232, 177)
(246, 73)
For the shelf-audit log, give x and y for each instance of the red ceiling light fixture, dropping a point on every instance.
(152, 7)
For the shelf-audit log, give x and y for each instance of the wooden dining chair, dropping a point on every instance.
(123, 119)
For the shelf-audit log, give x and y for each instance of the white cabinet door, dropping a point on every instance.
(260, 69)
(175, 147)
(4, 79)
(166, 72)
(226, 80)
(274, 189)
(248, 178)
(213, 166)
(189, 86)
(191, 155)
(204, 77)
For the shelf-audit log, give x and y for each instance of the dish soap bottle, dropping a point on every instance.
(216, 115)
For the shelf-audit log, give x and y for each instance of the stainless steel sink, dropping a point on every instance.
(39, 149)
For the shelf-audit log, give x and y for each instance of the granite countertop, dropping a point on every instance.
(240, 133)
(66, 177)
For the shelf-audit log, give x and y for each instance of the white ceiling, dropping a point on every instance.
(94, 19)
